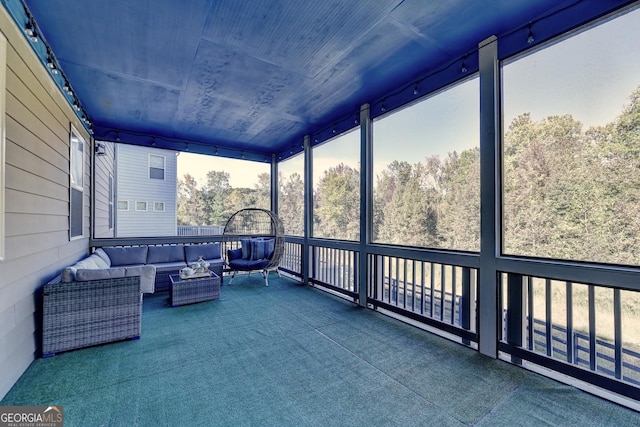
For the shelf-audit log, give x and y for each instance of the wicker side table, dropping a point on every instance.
(189, 291)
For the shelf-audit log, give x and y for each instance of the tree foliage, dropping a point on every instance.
(567, 193)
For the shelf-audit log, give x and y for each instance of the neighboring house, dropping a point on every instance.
(146, 191)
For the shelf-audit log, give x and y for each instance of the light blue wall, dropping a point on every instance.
(134, 184)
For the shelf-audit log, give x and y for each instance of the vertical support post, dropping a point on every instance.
(489, 195)
(465, 302)
(274, 183)
(617, 322)
(514, 312)
(593, 351)
(308, 208)
(366, 204)
(569, 310)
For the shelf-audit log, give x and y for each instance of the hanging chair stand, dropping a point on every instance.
(253, 240)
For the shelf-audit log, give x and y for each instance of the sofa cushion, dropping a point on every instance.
(83, 274)
(147, 275)
(102, 254)
(245, 264)
(160, 254)
(92, 262)
(126, 256)
(169, 266)
(207, 251)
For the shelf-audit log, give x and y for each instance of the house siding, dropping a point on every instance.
(104, 167)
(135, 185)
(37, 244)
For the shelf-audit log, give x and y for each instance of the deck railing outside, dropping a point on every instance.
(555, 324)
(584, 330)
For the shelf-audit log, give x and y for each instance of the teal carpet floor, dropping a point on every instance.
(291, 355)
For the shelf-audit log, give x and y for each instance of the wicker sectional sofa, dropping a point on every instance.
(99, 298)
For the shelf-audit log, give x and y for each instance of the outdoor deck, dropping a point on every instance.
(289, 354)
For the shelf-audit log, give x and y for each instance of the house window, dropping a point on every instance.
(76, 178)
(111, 202)
(158, 206)
(3, 77)
(156, 166)
(141, 206)
(123, 205)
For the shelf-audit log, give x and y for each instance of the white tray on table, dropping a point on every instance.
(195, 275)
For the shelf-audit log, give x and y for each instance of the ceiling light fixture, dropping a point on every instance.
(463, 68)
(117, 136)
(100, 149)
(67, 88)
(530, 38)
(415, 89)
(28, 29)
(51, 63)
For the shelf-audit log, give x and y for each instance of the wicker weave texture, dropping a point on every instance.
(190, 291)
(82, 314)
(255, 222)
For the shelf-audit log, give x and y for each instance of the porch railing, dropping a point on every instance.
(583, 329)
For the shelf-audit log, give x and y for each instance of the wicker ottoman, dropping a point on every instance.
(189, 291)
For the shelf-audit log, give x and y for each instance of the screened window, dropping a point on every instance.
(156, 166)
(141, 206)
(158, 206)
(571, 114)
(123, 205)
(291, 195)
(212, 188)
(76, 178)
(426, 172)
(336, 210)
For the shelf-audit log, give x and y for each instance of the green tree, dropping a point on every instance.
(459, 208)
(337, 204)
(216, 195)
(191, 204)
(262, 189)
(291, 204)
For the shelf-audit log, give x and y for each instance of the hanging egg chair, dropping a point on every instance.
(253, 240)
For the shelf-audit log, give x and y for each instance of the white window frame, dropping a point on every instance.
(3, 91)
(123, 201)
(155, 206)
(77, 144)
(146, 206)
(164, 166)
(112, 213)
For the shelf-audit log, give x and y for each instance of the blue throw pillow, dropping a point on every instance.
(246, 248)
(257, 249)
(269, 246)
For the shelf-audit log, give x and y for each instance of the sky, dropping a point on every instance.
(589, 76)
